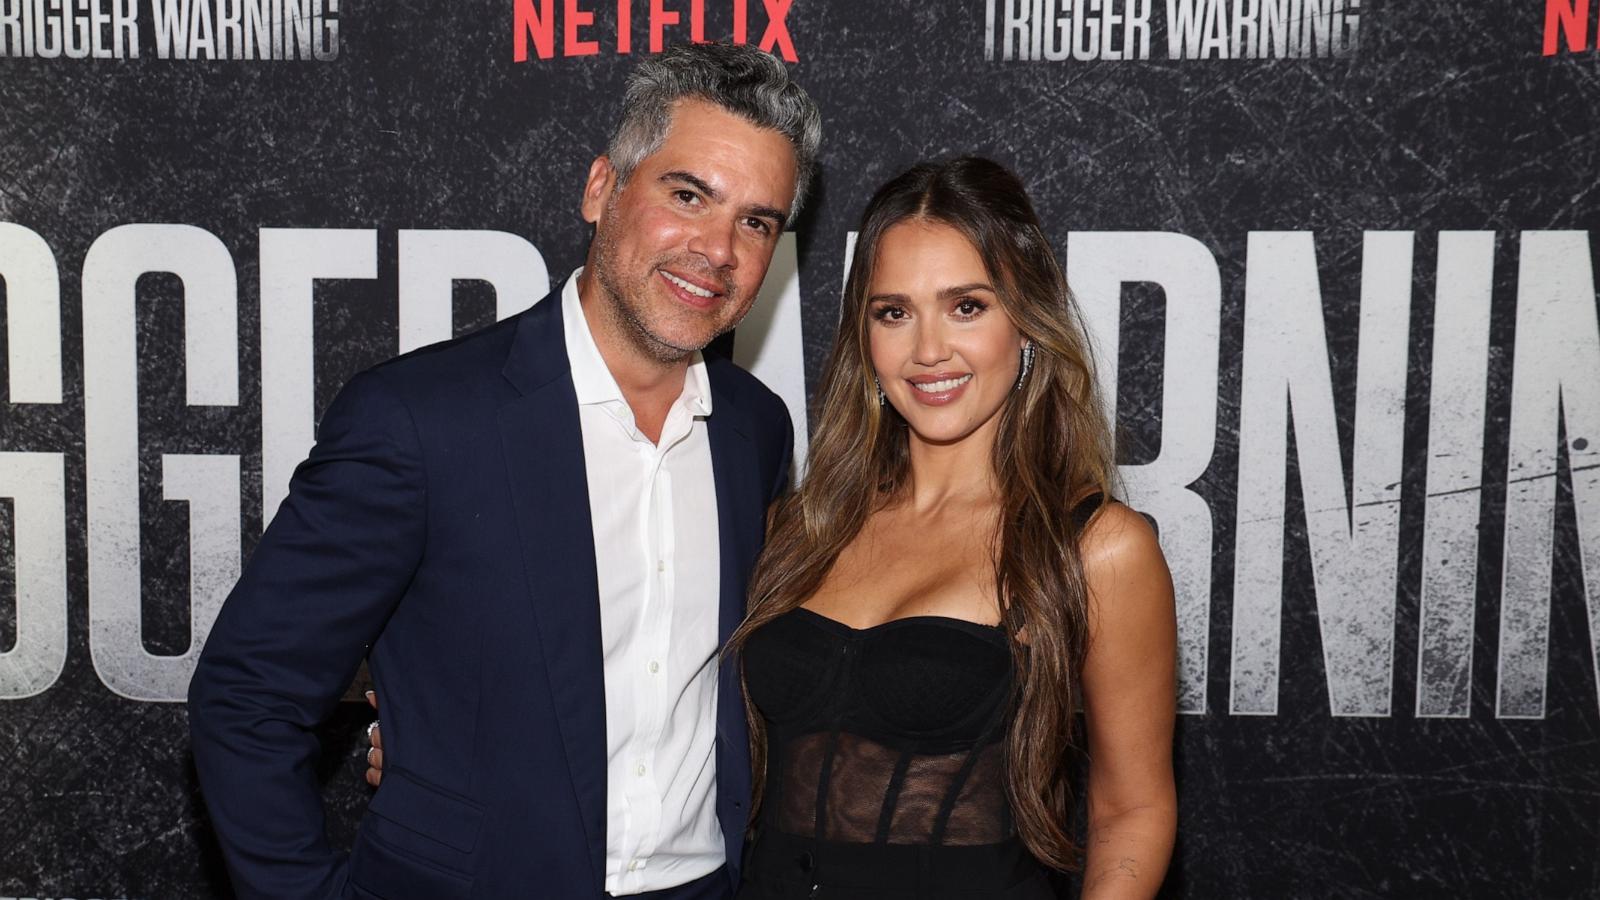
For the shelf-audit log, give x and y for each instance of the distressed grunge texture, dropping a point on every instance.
(1448, 117)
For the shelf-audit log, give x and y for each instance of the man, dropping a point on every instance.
(539, 535)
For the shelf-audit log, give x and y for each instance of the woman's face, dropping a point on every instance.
(943, 348)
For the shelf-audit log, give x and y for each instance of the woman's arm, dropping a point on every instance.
(1129, 690)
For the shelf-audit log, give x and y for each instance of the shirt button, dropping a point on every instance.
(661, 565)
(633, 864)
(654, 667)
(639, 770)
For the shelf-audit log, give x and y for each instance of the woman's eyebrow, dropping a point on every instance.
(950, 293)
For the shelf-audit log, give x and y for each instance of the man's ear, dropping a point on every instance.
(602, 179)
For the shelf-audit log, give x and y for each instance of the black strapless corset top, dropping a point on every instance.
(890, 734)
(929, 682)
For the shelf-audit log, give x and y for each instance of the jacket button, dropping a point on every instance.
(807, 861)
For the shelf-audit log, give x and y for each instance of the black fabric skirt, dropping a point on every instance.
(784, 866)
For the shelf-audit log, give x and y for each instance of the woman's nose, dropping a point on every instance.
(931, 347)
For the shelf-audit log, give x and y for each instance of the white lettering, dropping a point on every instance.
(432, 261)
(1553, 381)
(36, 485)
(292, 260)
(1354, 544)
(33, 315)
(111, 270)
(1098, 265)
(1015, 31)
(172, 28)
(201, 43)
(768, 342)
(1455, 472)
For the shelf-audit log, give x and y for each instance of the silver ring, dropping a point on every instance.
(371, 725)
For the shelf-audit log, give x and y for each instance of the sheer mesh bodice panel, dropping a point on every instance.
(890, 734)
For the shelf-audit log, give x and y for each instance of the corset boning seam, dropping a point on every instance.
(894, 744)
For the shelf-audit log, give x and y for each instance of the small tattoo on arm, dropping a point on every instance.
(1127, 867)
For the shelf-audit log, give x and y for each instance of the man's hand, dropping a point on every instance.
(375, 752)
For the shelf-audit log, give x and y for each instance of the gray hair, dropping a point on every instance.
(740, 79)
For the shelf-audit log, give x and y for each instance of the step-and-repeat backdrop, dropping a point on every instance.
(1337, 256)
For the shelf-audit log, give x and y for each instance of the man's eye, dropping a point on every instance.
(686, 197)
(760, 226)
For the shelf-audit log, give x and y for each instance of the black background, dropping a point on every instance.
(1447, 118)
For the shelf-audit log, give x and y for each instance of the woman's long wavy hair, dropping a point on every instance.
(1053, 446)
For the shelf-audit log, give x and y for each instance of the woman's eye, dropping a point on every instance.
(888, 314)
(968, 307)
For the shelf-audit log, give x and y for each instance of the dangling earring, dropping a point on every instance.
(883, 399)
(1027, 365)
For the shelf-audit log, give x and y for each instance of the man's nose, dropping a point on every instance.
(714, 241)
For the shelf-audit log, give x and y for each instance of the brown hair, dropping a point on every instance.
(1053, 445)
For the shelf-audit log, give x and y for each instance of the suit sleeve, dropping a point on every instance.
(783, 476)
(325, 578)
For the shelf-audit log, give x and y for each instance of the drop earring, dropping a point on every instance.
(1026, 366)
(883, 399)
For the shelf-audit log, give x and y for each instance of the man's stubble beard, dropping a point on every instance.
(623, 312)
(626, 312)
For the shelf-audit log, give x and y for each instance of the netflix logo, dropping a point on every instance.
(547, 28)
(1567, 22)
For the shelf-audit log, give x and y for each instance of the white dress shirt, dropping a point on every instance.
(654, 508)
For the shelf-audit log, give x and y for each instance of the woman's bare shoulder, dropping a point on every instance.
(1117, 534)
(1122, 559)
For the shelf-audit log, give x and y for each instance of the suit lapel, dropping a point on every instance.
(543, 442)
(740, 510)
(740, 525)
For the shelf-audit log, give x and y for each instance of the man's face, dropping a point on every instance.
(681, 249)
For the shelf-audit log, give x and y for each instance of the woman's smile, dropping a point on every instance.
(940, 389)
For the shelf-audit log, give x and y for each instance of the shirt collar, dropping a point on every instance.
(592, 380)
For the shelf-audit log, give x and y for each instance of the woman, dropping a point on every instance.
(952, 580)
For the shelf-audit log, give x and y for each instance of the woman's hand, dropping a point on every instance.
(375, 752)
(1130, 703)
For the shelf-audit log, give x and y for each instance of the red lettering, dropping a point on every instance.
(777, 32)
(660, 18)
(1572, 17)
(573, 19)
(540, 25)
(534, 26)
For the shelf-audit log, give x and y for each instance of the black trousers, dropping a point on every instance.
(786, 867)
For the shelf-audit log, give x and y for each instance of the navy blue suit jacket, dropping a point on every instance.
(440, 528)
